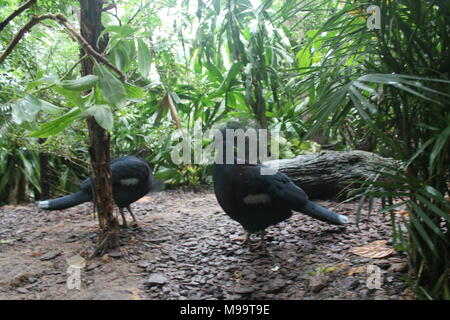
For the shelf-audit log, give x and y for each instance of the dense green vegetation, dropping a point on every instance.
(310, 69)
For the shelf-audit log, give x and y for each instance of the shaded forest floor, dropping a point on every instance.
(185, 247)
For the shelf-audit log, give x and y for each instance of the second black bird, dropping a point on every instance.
(131, 180)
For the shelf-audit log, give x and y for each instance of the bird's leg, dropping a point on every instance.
(261, 243)
(243, 239)
(132, 215)
(131, 212)
(246, 240)
(124, 221)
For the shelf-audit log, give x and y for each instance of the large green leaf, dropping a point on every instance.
(134, 92)
(26, 109)
(50, 108)
(81, 84)
(227, 82)
(74, 98)
(442, 140)
(119, 32)
(214, 73)
(102, 114)
(112, 88)
(144, 57)
(55, 126)
(121, 55)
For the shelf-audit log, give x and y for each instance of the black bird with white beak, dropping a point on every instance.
(132, 179)
(257, 200)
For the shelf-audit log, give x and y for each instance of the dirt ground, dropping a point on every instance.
(185, 247)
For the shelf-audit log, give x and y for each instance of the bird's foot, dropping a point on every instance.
(242, 239)
(246, 240)
(252, 244)
(259, 244)
(124, 224)
(134, 224)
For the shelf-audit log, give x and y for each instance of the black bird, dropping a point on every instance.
(131, 180)
(258, 201)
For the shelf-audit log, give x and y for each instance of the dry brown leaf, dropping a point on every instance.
(341, 266)
(36, 254)
(360, 269)
(135, 293)
(106, 258)
(19, 280)
(402, 212)
(144, 199)
(374, 250)
(378, 243)
(133, 241)
(408, 294)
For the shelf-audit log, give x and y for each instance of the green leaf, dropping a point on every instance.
(399, 82)
(50, 108)
(80, 84)
(304, 58)
(419, 151)
(144, 57)
(73, 98)
(121, 31)
(441, 140)
(54, 127)
(102, 114)
(434, 208)
(134, 92)
(7, 240)
(431, 191)
(25, 110)
(230, 77)
(214, 73)
(118, 56)
(363, 101)
(112, 88)
(421, 230)
(424, 216)
(166, 173)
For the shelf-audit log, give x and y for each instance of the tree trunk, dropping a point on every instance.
(329, 174)
(91, 27)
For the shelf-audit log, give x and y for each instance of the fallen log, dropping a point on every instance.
(331, 174)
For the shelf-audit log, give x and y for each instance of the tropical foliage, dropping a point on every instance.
(310, 69)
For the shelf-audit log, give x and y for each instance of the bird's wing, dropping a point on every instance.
(129, 172)
(253, 188)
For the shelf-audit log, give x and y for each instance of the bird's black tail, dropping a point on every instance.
(65, 202)
(323, 214)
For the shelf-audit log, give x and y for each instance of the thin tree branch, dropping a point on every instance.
(61, 19)
(173, 110)
(138, 11)
(34, 20)
(110, 6)
(64, 75)
(87, 47)
(18, 11)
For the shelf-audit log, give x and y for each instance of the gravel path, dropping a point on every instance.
(185, 247)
